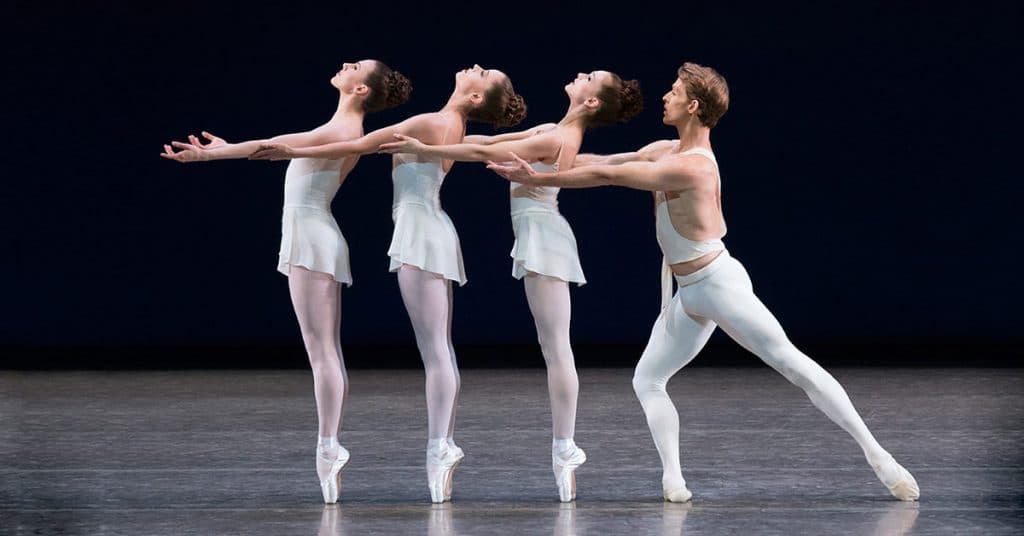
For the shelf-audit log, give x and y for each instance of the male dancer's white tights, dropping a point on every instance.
(428, 300)
(549, 302)
(316, 297)
(721, 294)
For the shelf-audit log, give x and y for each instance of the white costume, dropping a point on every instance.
(721, 294)
(310, 236)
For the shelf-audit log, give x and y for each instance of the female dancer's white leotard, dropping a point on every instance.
(310, 236)
(424, 235)
(545, 243)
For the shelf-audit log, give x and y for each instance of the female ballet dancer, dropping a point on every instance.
(714, 288)
(314, 254)
(425, 247)
(544, 255)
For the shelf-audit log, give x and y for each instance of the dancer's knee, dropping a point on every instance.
(644, 385)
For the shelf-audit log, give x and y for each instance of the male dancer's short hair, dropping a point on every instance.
(708, 88)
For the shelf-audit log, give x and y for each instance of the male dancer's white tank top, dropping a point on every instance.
(545, 243)
(424, 235)
(310, 236)
(676, 247)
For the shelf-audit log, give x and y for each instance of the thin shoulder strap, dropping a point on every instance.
(561, 143)
(703, 152)
(445, 133)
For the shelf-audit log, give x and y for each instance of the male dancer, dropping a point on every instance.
(714, 288)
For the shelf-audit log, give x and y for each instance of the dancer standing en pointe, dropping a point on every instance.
(545, 255)
(425, 248)
(314, 254)
(714, 288)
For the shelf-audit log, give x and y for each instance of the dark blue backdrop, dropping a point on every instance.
(868, 159)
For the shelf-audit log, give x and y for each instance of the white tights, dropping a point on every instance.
(549, 302)
(316, 297)
(726, 298)
(428, 300)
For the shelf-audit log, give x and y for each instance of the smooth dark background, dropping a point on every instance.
(869, 161)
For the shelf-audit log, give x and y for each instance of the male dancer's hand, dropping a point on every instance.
(273, 151)
(517, 171)
(405, 144)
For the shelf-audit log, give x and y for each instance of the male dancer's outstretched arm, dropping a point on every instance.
(648, 153)
(664, 175)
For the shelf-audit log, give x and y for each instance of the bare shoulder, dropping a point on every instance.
(429, 126)
(696, 168)
(345, 132)
(657, 150)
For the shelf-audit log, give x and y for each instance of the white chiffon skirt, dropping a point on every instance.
(310, 238)
(425, 237)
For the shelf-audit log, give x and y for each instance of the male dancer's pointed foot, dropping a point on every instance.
(894, 476)
(441, 463)
(564, 465)
(673, 488)
(329, 470)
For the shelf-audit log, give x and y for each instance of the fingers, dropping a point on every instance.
(208, 136)
(265, 152)
(390, 147)
(171, 155)
(186, 146)
(522, 163)
(195, 141)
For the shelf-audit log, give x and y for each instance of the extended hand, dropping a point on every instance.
(188, 153)
(517, 171)
(273, 151)
(405, 144)
(213, 144)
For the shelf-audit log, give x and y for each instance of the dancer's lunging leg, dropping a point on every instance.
(316, 297)
(675, 340)
(549, 302)
(426, 297)
(728, 298)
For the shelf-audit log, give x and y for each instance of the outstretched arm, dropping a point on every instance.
(508, 136)
(533, 148)
(218, 149)
(666, 175)
(364, 145)
(647, 153)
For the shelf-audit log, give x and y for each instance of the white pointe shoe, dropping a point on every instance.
(900, 482)
(564, 466)
(441, 464)
(330, 484)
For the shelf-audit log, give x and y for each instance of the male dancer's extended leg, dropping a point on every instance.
(675, 340)
(727, 297)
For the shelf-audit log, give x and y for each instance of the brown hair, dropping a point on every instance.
(501, 107)
(388, 88)
(620, 101)
(708, 88)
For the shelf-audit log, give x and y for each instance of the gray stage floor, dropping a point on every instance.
(232, 453)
